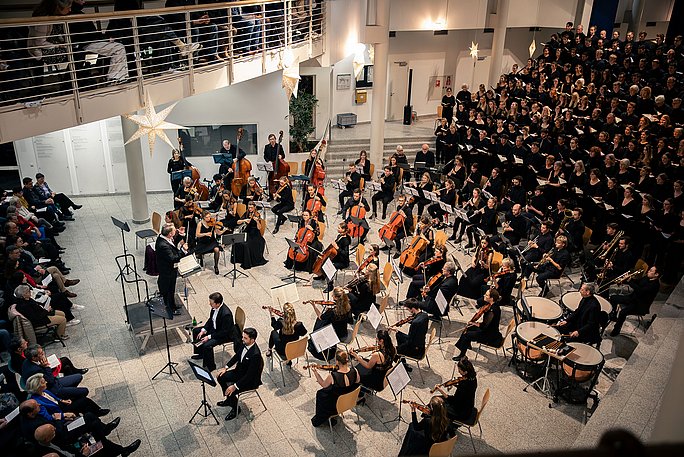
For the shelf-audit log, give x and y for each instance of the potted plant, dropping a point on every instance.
(302, 120)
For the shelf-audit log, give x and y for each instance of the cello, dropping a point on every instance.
(359, 212)
(304, 236)
(317, 173)
(328, 253)
(390, 229)
(410, 257)
(280, 168)
(242, 168)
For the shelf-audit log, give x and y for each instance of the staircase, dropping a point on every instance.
(341, 152)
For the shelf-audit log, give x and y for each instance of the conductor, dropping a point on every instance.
(168, 255)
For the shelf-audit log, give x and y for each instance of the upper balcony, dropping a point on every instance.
(60, 71)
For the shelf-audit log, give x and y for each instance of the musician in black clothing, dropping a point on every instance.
(487, 331)
(460, 405)
(341, 244)
(583, 325)
(168, 255)
(503, 281)
(494, 184)
(182, 192)
(426, 269)
(219, 329)
(537, 206)
(441, 132)
(352, 180)
(541, 244)
(176, 163)
(413, 343)
(515, 194)
(485, 218)
(386, 192)
(472, 181)
(448, 104)
(447, 285)
(313, 158)
(638, 299)
(231, 153)
(407, 227)
(315, 193)
(447, 194)
(574, 230)
(273, 151)
(515, 226)
(552, 264)
(622, 262)
(425, 157)
(356, 199)
(285, 202)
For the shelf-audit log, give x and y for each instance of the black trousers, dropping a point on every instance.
(343, 195)
(206, 350)
(167, 289)
(403, 348)
(279, 210)
(64, 202)
(385, 199)
(225, 380)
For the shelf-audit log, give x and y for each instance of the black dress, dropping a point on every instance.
(206, 244)
(460, 405)
(361, 298)
(418, 439)
(278, 340)
(176, 165)
(326, 398)
(251, 253)
(340, 325)
(374, 378)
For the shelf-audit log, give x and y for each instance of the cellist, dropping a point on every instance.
(307, 234)
(425, 231)
(313, 193)
(349, 210)
(403, 216)
(341, 244)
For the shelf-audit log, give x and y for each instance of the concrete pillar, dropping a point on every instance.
(498, 41)
(635, 19)
(136, 174)
(379, 97)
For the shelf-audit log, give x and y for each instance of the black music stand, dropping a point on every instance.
(231, 239)
(165, 312)
(294, 218)
(390, 244)
(204, 377)
(293, 278)
(124, 227)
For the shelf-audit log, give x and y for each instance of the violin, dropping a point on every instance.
(318, 366)
(320, 302)
(390, 229)
(359, 212)
(304, 237)
(365, 263)
(368, 349)
(422, 408)
(276, 195)
(476, 317)
(449, 384)
(434, 280)
(216, 224)
(242, 168)
(271, 309)
(404, 321)
(410, 257)
(430, 261)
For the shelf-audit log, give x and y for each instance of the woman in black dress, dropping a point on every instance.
(362, 295)
(373, 370)
(448, 103)
(285, 330)
(363, 162)
(176, 163)
(315, 244)
(339, 382)
(205, 236)
(227, 210)
(472, 280)
(431, 429)
(460, 405)
(285, 202)
(251, 253)
(338, 313)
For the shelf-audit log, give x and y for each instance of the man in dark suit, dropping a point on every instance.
(413, 344)
(637, 302)
(219, 329)
(386, 192)
(168, 255)
(64, 387)
(448, 286)
(247, 372)
(583, 325)
(353, 181)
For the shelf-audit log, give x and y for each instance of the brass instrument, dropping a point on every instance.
(602, 253)
(546, 257)
(602, 274)
(529, 244)
(624, 277)
(567, 215)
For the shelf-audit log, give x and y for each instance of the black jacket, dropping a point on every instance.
(225, 326)
(167, 256)
(248, 370)
(586, 320)
(417, 331)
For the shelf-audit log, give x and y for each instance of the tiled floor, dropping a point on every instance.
(158, 411)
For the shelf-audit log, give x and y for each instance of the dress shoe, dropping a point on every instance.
(83, 371)
(70, 294)
(275, 230)
(71, 282)
(457, 358)
(130, 449)
(223, 403)
(77, 206)
(196, 357)
(109, 428)
(102, 412)
(233, 414)
(68, 218)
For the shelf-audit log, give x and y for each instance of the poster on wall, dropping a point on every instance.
(343, 81)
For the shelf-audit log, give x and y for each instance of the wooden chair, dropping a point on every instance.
(354, 334)
(386, 278)
(587, 236)
(509, 329)
(149, 233)
(293, 350)
(372, 170)
(362, 184)
(440, 238)
(425, 357)
(240, 319)
(382, 309)
(346, 403)
(303, 166)
(641, 265)
(497, 258)
(475, 418)
(294, 168)
(444, 448)
(321, 232)
(483, 181)
(360, 254)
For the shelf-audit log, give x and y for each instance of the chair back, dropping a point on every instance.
(587, 236)
(433, 333)
(263, 222)
(641, 265)
(240, 318)
(483, 181)
(321, 231)
(372, 170)
(497, 258)
(303, 166)
(440, 238)
(362, 184)
(347, 401)
(296, 349)
(241, 209)
(360, 253)
(509, 329)
(384, 301)
(440, 109)
(485, 400)
(294, 168)
(444, 448)
(156, 222)
(357, 326)
(387, 274)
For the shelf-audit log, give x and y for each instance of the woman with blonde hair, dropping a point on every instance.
(336, 313)
(432, 428)
(342, 380)
(285, 330)
(362, 294)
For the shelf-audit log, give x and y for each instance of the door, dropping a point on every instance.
(51, 160)
(88, 153)
(398, 90)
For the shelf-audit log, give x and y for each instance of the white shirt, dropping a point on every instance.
(244, 352)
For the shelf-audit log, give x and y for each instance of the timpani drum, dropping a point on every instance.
(581, 364)
(544, 310)
(527, 331)
(570, 300)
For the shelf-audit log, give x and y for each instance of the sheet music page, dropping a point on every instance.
(53, 361)
(187, 264)
(518, 160)
(14, 413)
(608, 207)
(46, 280)
(374, 316)
(561, 181)
(329, 269)
(398, 378)
(287, 293)
(397, 270)
(325, 338)
(441, 301)
(75, 424)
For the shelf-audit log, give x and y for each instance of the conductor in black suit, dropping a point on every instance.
(168, 255)
(219, 329)
(413, 344)
(583, 325)
(247, 372)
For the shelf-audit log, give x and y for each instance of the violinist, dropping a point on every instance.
(227, 210)
(433, 428)
(252, 191)
(215, 192)
(187, 214)
(471, 206)
(388, 183)
(309, 238)
(349, 210)
(182, 192)
(486, 331)
(176, 163)
(364, 163)
(315, 207)
(341, 381)
(338, 314)
(374, 369)
(425, 185)
(447, 195)
(426, 269)
(413, 343)
(341, 259)
(352, 180)
(205, 235)
(285, 330)
(474, 277)
(285, 202)
(503, 281)
(460, 405)
(447, 285)
(362, 295)
(251, 253)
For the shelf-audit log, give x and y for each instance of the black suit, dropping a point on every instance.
(448, 287)
(168, 256)
(246, 375)
(413, 344)
(65, 387)
(222, 333)
(585, 319)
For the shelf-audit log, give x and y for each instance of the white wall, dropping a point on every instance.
(541, 13)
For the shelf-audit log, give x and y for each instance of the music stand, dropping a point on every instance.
(390, 244)
(180, 174)
(205, 377)
(124, 227)
(222, 158)
(357, 222)
(165, 312)
(297, 250)
(397, 379)
(295, 219)
(231, 239)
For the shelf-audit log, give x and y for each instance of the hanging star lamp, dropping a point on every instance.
(153, 124)
(473, 50)
(290, 67)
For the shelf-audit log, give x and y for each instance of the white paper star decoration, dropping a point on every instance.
(291, 77)
(533, 47)
(473, 50)
(153, 124)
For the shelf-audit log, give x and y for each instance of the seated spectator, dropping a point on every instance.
(17, 348)
(64, 387)
(42, 189)
(35, 202)
(36, 386)
(46, 433)
(37, 314)
(202, 28)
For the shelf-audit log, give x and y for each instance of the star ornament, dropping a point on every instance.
(473, 50)
(153, 124)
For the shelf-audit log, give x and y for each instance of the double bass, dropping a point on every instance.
(242, 168)
(280, 168)
(304, 237)
(317, 173)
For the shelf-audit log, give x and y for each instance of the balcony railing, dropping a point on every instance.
(58, 58)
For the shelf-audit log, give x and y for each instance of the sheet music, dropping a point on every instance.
(324, 338)
(43, 260)
(46, 280)
(329, 269)
(41, 210)
(502, 158)
(287, 293)
(75, 424)
(188, 265)
(442, 302)
(12, 414)
(518, 160)
(609, 207)
(53, 361)
(374, 317)
(542, 182)
(397, 270)
(398, 378)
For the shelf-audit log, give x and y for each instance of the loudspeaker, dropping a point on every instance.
(408, 110)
